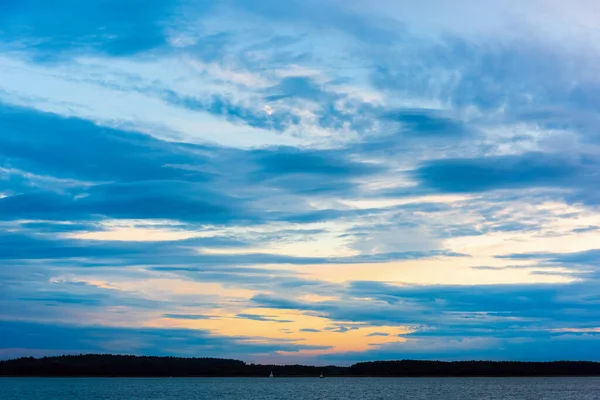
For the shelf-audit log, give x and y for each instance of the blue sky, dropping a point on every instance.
(300, 181)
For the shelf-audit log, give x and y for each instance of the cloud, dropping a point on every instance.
(581, 258)
(283, 161)
(17, 246)
(70, 148)
(121, 174)
(469, 311)
(118, 28)
(502, 172)
(237, 113)
(381, 334)
(62, 339)
(562, 347)
(188, 316)
(262, 318)
(59, 227)
(425, 123)
(152, 200)
(354, 142)
(31, 247)
(318, 14)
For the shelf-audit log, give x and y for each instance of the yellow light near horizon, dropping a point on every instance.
(232, 326)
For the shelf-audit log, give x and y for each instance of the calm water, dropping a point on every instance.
(301, 388)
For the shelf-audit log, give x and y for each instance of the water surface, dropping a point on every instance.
(298, 388)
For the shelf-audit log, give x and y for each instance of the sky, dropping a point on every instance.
(308, 181)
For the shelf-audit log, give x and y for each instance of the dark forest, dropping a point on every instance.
(99, 365)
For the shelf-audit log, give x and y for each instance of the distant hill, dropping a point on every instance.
(104, 365)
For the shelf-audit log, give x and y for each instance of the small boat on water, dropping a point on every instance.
(271, 375)
(321, 376)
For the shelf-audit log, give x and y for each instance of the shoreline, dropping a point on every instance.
(299, 377)
(129, 366)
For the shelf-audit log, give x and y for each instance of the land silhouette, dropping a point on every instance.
(105, 365)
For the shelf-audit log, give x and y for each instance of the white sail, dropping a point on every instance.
(271, 375)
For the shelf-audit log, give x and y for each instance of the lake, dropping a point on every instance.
(298, 388)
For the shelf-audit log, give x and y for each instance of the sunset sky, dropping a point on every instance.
(300, 181)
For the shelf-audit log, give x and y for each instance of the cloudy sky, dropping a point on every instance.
(313, 181)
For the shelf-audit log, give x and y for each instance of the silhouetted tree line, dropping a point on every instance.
(104, 365)
(474, 368)
(131, 366)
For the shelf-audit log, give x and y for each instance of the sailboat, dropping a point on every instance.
(321, 376)
(271, 375)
